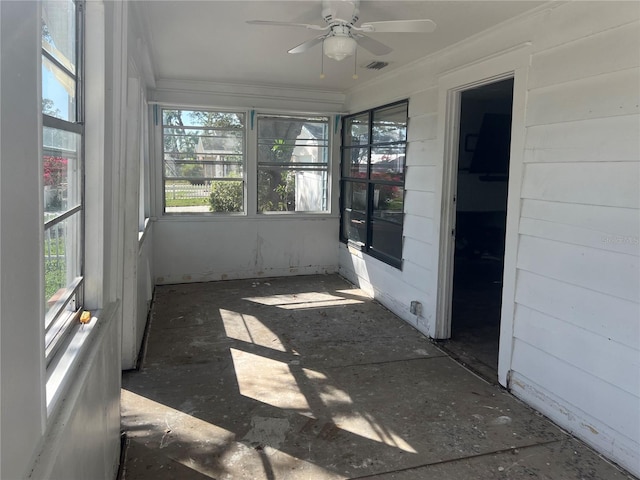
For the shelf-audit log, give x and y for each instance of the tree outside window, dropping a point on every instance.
(293, 164)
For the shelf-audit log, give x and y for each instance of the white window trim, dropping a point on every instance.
(159, 132)
(365, 247)
(157, 213)
(327, 167)
(76, 350)
(60, 321)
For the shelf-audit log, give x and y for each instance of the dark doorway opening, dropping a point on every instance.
(481, 208)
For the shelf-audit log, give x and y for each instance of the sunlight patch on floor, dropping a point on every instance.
(268, 381)
(354, 292)
(273, 382)
(301, 301)
(366, 426)
(248, 328)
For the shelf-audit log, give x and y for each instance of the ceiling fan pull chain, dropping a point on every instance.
(355, 64)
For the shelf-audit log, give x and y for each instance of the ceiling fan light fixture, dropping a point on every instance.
(339, 47)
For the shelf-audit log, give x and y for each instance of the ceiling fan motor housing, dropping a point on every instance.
(340, 10)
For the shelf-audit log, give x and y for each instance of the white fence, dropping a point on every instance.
(175, 191)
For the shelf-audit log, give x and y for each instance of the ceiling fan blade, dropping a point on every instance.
(287, 24)
(303, 47)
(374, 46)
(400, 26)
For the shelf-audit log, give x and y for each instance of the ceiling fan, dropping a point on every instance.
(342, 36)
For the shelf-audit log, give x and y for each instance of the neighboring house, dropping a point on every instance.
(214, 150)
(570, 328)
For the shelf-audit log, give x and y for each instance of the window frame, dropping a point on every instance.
(370, 183)
(324, 167)
(244, 164)
(59, 321)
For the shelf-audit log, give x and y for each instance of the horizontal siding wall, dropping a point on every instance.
(576, 353)
(396, 288)
(573, 316)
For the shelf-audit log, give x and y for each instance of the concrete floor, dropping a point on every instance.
(307, 378)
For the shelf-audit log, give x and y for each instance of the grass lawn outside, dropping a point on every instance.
(55, 266)
(183, 194)
(186, 202)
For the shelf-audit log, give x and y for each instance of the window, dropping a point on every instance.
(62, 161)
(293, 164)
(374, 145)
(204, 161)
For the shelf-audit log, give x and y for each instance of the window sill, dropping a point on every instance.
(358, 249)
(267, 217)
(143, 233)
(73, 355)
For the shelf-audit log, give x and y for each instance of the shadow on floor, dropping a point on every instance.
(307, 378)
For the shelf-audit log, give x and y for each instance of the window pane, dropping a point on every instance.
(356, 130)
(387, 163)
(203, 196)
(354, 162)
(62, 172)
(291, 153)
(199, 172)
(203, 142)
(203, 161)
(386, 238)
(282, 189)
(388, 203)
(390, 124)
(301, 146)
(61, 258)
(293, 140)
(226, 196)
(200, 118)
(373, 208)
(59, 325)
(58, 31)
(354, 215)
(58, 92)
(355, 196)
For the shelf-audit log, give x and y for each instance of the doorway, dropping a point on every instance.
(480, 224)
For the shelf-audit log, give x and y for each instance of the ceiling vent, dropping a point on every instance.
(376, 65)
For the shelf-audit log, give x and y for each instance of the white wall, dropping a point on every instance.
(201, 249)
(138, 232)
(570, 338)
(22, 413)
(144, 289)
(191, 248)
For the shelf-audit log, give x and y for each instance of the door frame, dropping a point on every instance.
(512, 63)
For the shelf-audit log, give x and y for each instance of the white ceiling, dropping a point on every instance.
(211, 41)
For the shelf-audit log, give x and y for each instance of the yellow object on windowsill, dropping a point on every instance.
(85, 317)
